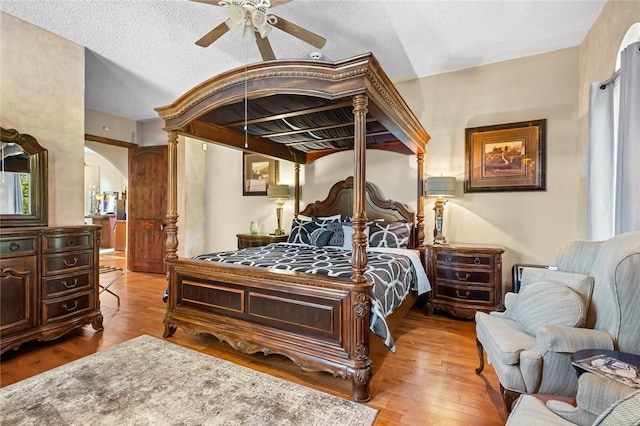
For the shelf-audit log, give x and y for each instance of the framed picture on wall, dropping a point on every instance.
(506, 157)
(258, 172)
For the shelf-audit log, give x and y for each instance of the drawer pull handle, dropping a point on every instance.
(466, 276)
(466, 294)
(14, 246)
(71, 243)
(449, 259)
(70, 264)
(73, 308)
(476, 261)
(72, 285)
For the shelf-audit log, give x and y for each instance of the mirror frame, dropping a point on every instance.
(38, 166)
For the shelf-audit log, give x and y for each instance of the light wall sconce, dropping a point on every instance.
(441, 187)
(279, 193)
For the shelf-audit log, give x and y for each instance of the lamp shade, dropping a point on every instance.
(441, 186)
(278, 191)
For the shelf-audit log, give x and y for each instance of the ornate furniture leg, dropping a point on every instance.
(361, 378)
(169, 330)
(480, 356)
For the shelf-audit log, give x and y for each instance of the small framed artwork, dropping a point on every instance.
(506, 157)
(258, 172)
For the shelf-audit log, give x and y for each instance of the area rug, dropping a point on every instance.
(149, 381)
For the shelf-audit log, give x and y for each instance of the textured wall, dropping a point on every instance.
(42, 94)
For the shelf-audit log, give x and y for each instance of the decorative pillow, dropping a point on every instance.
(348, 232)
(580, 283)
(320, 237)
(334, 218)
(547, 303)
(301, 231)
(337, 236)
(393, 234)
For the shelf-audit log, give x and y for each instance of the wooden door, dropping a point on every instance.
(147, 208)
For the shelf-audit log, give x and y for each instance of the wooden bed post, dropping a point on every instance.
(361, 376)
(296, 205)
(420, 214)
(172, 198)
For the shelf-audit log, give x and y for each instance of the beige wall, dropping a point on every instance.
(42, 94)
(530, 225)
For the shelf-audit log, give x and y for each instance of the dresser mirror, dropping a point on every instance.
(23, 180)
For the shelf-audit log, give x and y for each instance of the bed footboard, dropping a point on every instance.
(321, 323)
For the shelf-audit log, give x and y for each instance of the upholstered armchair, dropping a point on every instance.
(591, 302)
(600, 401)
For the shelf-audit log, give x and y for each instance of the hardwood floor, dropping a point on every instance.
(430, 380)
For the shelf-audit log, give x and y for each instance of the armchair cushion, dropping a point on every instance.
(580, 283)
(548, 303)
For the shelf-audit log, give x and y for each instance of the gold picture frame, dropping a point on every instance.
(506, 157)
(258, 173)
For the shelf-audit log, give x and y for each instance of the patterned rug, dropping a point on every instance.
(149, 381)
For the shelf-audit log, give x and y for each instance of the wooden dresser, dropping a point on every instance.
(257, 240)
(465, 278)
(48, 282)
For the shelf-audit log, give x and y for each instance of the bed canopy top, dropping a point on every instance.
(298, 110)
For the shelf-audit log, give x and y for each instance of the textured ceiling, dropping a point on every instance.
(141, 54)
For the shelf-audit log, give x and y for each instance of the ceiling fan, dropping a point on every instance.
(252, 20)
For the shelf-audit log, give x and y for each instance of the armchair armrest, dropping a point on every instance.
(595, 395)
(510, 299)
(557, 338)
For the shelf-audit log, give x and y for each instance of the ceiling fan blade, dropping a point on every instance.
(275, 3)
(213, 2)
(213, 35)
(303, 34)
(265, 48)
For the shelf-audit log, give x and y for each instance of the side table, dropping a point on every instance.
(257, 240)
(615, 365)
(464, 278)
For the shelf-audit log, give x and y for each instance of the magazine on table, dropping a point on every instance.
(611, 368)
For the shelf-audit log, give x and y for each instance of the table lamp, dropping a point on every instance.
(279, 193)
(441, 187)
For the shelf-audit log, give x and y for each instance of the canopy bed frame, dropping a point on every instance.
(294, 110)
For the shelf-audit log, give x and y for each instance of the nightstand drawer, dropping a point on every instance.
(63, 308)
(482, 277)
(469, 294)
(449, 258)
(258, 240)
(55, 263)
(68, 284)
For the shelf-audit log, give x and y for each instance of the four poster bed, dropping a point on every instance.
(299, 110)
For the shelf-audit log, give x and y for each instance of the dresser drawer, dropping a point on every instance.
(68, 284)
(65, 242)
(462, 276)
(469, 259)
(67, 262)
(58, 309)
(10, 247)
(470, 294)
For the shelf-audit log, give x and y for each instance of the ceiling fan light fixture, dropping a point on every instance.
(260, 22)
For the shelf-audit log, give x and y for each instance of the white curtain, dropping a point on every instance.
(614, 151)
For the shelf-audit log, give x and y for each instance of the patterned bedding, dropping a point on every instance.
(393, 272)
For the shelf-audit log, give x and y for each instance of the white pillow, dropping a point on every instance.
(547, 303)
(348, 232)
(580, 283)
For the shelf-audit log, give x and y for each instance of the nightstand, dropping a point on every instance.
(465, 278)
(257, 240)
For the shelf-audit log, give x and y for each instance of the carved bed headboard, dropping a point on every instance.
(340, 200)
